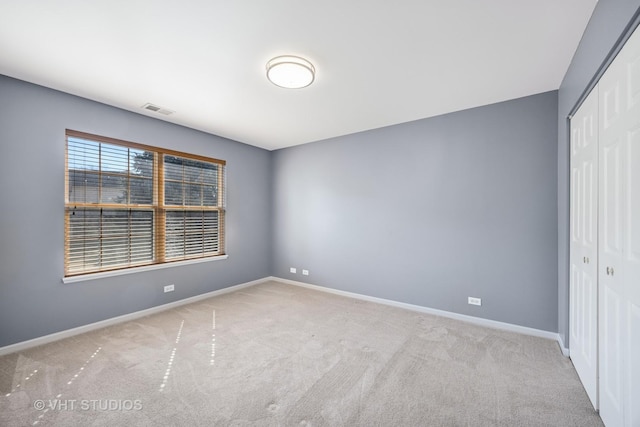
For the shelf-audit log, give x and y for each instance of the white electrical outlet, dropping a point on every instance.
(292, 270)
(305, 272)
(169, 288)
(475, 301)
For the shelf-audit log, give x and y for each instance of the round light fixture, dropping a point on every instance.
(291, 72)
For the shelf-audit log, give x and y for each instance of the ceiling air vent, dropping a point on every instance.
(156, 109)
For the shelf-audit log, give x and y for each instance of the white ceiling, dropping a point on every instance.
(378, 62)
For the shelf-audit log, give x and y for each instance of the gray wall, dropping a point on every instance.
(607, 23)
(430, 212)
(469, 194)
(33, 299)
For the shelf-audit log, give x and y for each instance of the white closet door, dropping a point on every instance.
(619, 238)
(583, 291)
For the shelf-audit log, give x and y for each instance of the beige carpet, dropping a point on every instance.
(279, 355)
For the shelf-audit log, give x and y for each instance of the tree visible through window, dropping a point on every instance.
(129, 205)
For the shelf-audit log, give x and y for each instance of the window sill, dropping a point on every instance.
(104, 274)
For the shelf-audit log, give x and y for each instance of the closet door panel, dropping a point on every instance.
(633, 195)
(583, 304)
(631, 258)
(619, 238)
(633, 340)
(611, 237)
(611, 381)
(610, 197)
(632, 243)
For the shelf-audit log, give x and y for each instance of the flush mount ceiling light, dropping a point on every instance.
(291, 72)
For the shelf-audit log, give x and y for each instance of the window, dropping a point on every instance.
(130, 205)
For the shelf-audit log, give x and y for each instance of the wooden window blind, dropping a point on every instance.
(130, 204)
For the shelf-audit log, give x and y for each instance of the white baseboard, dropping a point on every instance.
(24, 345)
(563, 348)
(470, 319)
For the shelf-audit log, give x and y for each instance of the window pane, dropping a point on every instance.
(84, 240)
(141, 163)
(114, 189)
(84, 187)
(83, 161)
(114, 158)
(104, 238)
(115, 237)
(99, 173)
(210, 195)
(173, 168)
(173, 194)
(141, 236)
(210, 231)
(193, 171)
(83, 154)
(174, 232)
(191, 233)
(141, 191)
(193, 195)
(210, 174)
